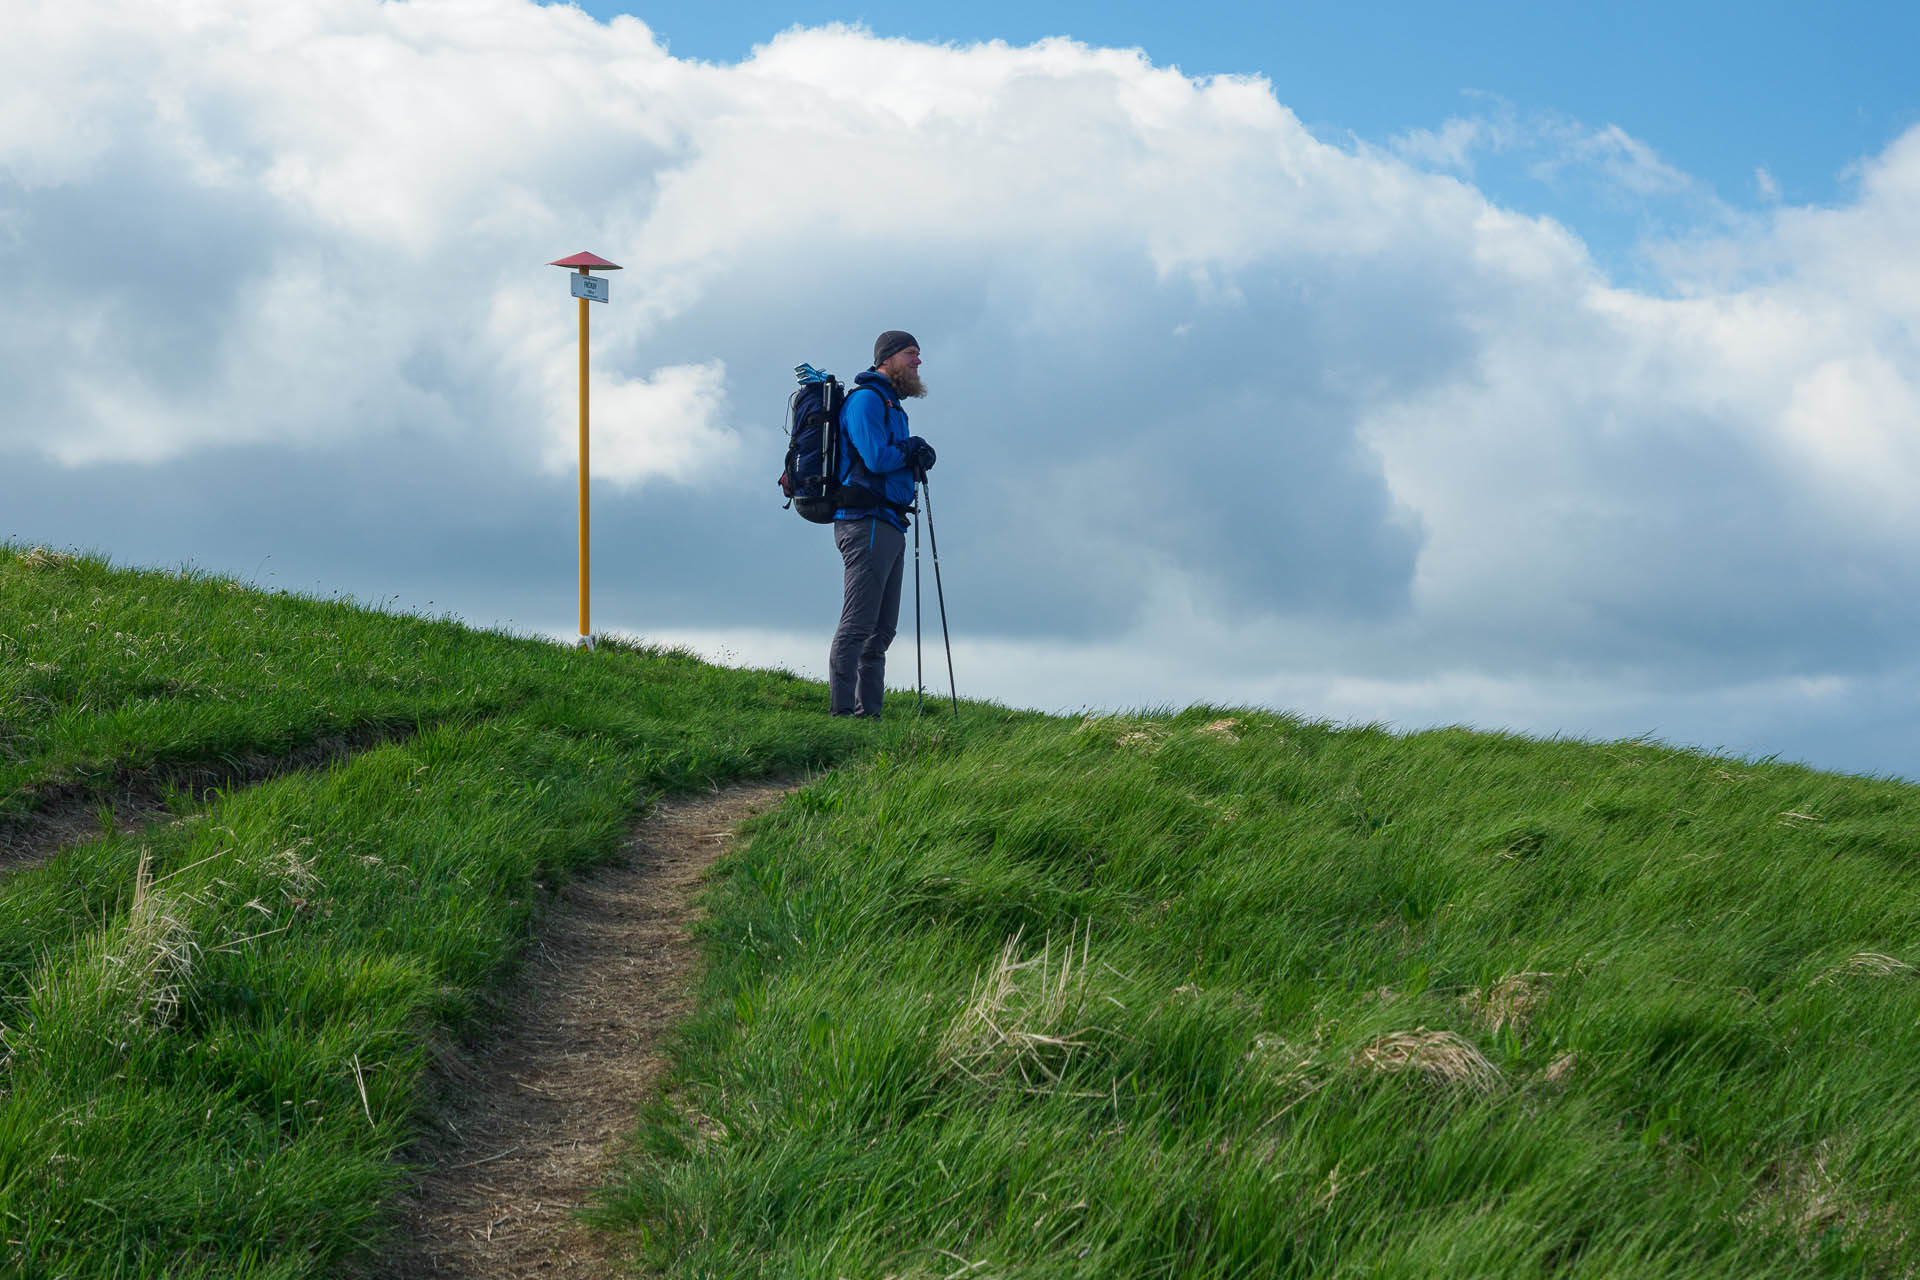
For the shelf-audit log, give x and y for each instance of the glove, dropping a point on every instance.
(918, 453)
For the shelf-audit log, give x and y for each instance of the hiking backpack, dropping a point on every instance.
(811, 478)
(815, 447)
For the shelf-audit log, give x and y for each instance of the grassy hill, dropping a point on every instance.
(1219, 993)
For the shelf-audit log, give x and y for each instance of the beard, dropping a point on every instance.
(907, 382)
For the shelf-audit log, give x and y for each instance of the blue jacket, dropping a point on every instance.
(873, 422)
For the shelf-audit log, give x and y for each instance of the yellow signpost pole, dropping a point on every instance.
(587, 288)
(586, 543)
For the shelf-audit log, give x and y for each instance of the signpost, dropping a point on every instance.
(588, 288)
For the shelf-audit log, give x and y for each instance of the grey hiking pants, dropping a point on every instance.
(874, 553)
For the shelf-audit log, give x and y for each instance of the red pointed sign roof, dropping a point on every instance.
(584, 259)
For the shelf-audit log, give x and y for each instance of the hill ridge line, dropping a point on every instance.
(70, 812)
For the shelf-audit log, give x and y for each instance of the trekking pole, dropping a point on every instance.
(919, 680)
(933, 541)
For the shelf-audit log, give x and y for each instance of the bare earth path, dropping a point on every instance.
(534, 1117)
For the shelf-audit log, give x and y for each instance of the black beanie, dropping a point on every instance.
(890, 342)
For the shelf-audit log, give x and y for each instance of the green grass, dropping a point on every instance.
(1231, 994)
(1222, 993)
(215, 1030)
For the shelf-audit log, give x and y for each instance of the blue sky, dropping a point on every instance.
(1528, 367)
(1718, 89)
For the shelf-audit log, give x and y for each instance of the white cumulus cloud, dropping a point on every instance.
(1215, 399)
(664, 425)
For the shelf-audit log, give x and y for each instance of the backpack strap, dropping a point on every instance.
(853, 450)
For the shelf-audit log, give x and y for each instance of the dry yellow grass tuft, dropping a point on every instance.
(1142, 735)
(45, 558)
(1291, 1067)
(1510, 1001)
(1227, 729)
(1871, 964)
(295, 870)
(1023, 1020)
(152, 960)
(1804, 1195)
(1442, 1057)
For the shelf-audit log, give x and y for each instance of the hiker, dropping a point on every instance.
(883, 458)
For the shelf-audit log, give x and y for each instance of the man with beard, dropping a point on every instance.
(884, 462)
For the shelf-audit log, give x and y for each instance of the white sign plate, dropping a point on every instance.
(592, 288)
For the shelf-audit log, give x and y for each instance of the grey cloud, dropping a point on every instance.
(1357, 417)
(1084, 456)
(145, 271)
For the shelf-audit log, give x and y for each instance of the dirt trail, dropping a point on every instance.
(535, 1115)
